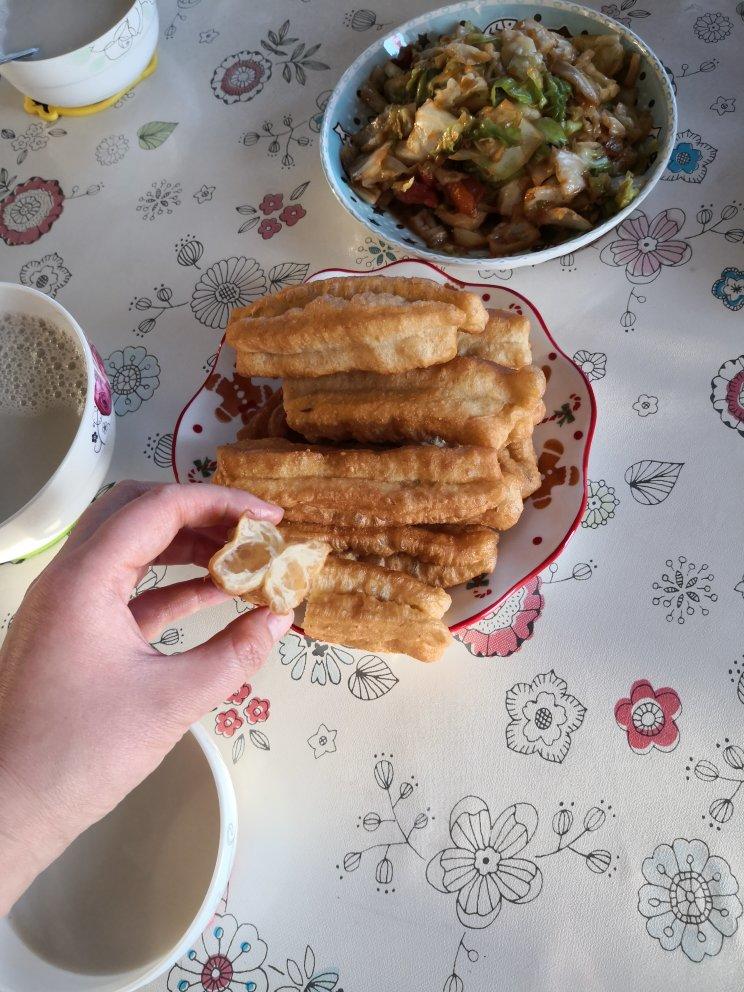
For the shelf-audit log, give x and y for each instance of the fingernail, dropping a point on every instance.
(279, 624)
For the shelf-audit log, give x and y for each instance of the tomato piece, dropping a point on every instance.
(465, 195)
(419, 192)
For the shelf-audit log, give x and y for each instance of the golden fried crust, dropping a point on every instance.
(362, 487)
(448, 546)
(520, 478)
(412, 290)
(506, 340)
(444, 576)
(465, 401)
(342, 575)
(360, 621)
(409, 344)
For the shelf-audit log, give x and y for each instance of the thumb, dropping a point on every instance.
(211, 672)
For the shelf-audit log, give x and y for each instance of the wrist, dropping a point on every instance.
(27, 844)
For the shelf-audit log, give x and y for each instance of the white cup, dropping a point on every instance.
(22, 970)
(95, 71)
(49, 514)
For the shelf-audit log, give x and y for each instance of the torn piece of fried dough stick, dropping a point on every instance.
(368, 607)
(369, 324)
(506, 340)
(465, 401)
(439, 556)
(410, 290)
(259, 565)
(363, 487)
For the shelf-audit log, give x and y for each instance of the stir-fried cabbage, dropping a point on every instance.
(505, 141)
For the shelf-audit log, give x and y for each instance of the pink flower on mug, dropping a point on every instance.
(225, 724)
(101, 386)
(257, 710)
(291, 214)
(504, 630)
(646, 246)
(269, 227)
(30, 210)
(271, 202)
(648, 716)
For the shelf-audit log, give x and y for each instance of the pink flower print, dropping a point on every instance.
(225, 724)
(241, 695)
(257, 710)
(269, 227)
(504, 630)
(271, 202)
(648, 717)
(290, 215)
(101, 386)
(644, 246)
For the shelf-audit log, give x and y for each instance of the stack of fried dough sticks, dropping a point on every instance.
(401, 437)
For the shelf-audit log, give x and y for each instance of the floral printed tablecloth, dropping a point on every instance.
(557, 804)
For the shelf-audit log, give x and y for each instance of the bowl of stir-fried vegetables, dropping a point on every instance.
(506, 133)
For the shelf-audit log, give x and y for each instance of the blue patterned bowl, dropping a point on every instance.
(345, 112)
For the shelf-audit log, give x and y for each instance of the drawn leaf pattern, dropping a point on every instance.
(651, 481)
(372, 678)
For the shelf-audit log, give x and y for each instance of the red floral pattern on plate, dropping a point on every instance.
(504, 630)
(648, 716)
(241, 695)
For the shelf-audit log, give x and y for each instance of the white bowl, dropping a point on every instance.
(96, 71)
(58, 504)
(345, 113)
(21, 970)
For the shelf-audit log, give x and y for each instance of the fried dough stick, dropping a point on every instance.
(364, 606)
(465, 401)
(370, 324)
(364, 487)
(505, 340)
(440, 556)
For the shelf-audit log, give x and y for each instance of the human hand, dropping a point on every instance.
(88, 708)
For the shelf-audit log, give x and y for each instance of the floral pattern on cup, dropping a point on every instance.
(727, 393)
(134, 375)
(729, 289)
(648, 716)
(504, 630)
(601, 504)
(47, 274)
(543, 716)
(481, 867)
(646, 246)
(690, 158)
(30, 210)
(227, 958)
(689, 899)
(241, 76)
(101, 385)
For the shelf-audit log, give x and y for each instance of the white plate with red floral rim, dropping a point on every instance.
(562, 441)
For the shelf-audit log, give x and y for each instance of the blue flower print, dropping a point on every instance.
(685, 158)
(690, 158)
(729, 289)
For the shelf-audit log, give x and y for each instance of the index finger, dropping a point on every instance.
(137, 533)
